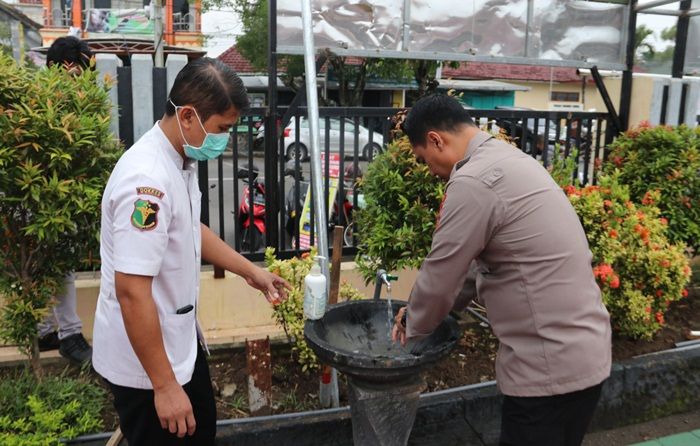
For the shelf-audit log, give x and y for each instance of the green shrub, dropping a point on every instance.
(640, 273)
(667, 160)
(56, 153)
(290, 313)
(42, 413)
(402, 198)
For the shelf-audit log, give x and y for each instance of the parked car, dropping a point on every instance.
(255, 123)
(517, 130)
(513, 127)
(366, 150)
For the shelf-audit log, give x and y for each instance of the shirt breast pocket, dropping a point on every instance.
(491, 177)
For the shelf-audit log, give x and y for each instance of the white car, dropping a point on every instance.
(365, 149)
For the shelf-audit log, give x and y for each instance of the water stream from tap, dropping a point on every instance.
(389, 310)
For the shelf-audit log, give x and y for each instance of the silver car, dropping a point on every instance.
(367, 150)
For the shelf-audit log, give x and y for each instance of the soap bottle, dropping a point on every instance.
(315, 292)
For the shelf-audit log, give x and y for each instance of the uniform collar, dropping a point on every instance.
(477, 141)
(170, 151)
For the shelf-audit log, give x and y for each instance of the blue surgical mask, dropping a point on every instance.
(213, 145)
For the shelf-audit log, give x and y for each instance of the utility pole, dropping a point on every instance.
(158, 32)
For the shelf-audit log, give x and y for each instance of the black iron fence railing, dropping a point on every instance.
(239, 207)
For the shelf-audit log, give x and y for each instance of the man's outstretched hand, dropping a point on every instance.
(273, 287)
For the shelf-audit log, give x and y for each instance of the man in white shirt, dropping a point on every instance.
(152, 244)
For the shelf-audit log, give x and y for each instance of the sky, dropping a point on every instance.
(222, 27)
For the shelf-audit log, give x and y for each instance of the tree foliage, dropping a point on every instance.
(648, 56)
(402, 198)
(643, 49)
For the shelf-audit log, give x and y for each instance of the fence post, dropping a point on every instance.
(691, 101)
(106, 65)
(674, 101)
(173, 65)
(142, 93)
(657, 98)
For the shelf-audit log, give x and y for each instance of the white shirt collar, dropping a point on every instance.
(170, 150)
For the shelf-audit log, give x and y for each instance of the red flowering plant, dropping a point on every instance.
(640, 273)
(666, 160)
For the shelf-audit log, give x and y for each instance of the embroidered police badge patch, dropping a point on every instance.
(145, 215)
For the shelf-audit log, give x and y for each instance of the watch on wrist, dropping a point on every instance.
(403, 319)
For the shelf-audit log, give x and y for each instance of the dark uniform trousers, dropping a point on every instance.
(139, 422)
(558, 420)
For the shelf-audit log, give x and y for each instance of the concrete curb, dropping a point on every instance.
(639, 389)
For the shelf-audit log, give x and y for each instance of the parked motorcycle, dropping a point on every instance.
(252, 230)
(293, 208)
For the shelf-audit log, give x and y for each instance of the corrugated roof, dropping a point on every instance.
(240, 64)
(234, 59)
(485, 70)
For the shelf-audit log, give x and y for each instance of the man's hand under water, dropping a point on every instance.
(398, 333)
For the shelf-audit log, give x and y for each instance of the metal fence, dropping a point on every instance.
(269, 216)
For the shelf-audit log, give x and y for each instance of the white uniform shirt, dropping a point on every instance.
(150, 227)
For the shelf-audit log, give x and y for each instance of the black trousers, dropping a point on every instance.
(558, 420)
(139, 422)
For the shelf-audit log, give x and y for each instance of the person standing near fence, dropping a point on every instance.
(508, 235)
(147, 342)
(73, 55)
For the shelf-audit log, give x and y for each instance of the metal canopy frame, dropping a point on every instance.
(649, 8)
(428, 55)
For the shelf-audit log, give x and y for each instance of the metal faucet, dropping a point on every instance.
(383, 278)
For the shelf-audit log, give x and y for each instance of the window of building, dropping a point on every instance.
(564, 96)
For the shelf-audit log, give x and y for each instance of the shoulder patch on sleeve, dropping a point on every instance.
(145, 215)
(149, 191)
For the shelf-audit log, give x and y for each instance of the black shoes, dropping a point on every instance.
(76, 349)
(49, 342)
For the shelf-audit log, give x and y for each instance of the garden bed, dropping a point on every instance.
(469, 363)
(639, 389)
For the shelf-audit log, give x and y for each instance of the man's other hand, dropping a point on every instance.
(174, 410)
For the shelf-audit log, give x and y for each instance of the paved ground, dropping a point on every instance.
(666, 430)
(684, 439)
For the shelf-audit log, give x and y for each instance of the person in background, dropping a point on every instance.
(71, 53)
(508, 236)
(62, 327)
(148, 344)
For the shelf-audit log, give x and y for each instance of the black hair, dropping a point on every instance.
(210, 86)
(69, 49)
(434, 112)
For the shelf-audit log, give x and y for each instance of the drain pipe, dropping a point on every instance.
(315, 155)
